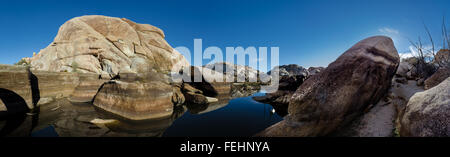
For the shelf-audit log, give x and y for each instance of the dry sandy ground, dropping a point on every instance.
(380, 120)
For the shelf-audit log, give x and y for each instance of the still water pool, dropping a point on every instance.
(230, 117)
(239, 117)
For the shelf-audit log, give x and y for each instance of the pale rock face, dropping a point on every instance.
(427, 113)
(108, 45)
(247, 74)
(291, 70)
(403, 69)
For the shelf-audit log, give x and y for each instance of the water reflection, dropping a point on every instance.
(238, 117)
(227, 117)
(144, 128)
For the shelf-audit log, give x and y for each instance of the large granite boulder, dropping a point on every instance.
(137, 96)
(440, 75)
(427, 113)
(108, 45)
(340, 93)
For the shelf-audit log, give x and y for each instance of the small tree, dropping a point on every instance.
(22, 62)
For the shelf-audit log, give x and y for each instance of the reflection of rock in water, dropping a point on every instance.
(71, 119)
(14, 116)
(244, 89)
(144, 128)
(205, 108)
(15, 109)
(281, 110)
(75, 120)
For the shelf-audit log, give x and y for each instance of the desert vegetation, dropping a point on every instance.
(427, 60)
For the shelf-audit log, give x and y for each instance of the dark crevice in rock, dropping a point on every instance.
(17, 107)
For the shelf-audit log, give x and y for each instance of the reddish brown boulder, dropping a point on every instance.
(435, 79)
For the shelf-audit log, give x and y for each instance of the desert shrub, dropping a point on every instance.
(425, 61)
(422, 62)
(22, 62)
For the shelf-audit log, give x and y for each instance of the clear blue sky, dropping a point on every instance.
(309, 33)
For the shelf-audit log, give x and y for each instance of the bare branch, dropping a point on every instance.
(431, 38)
(444, 34)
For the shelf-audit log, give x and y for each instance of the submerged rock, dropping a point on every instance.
(44, 101)
(340, 93)
(427, 113)
(195, 98)
(98, 121)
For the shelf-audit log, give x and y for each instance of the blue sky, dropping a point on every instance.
(309, 33)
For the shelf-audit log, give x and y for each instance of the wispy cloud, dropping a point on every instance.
(413, 52)
(387, 30)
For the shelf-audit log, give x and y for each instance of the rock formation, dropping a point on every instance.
(288, 84)
(35, 87)
(212, 83)
(87, 88)
(108, 45)
(291, 77)
(440, 75)
(91, 50)
(315, 70)
(291, 69)
(427, 113)
(341, 92)
(237, 71)
(137, 96)
(15, 90)
(403, 69)
(442, 58)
